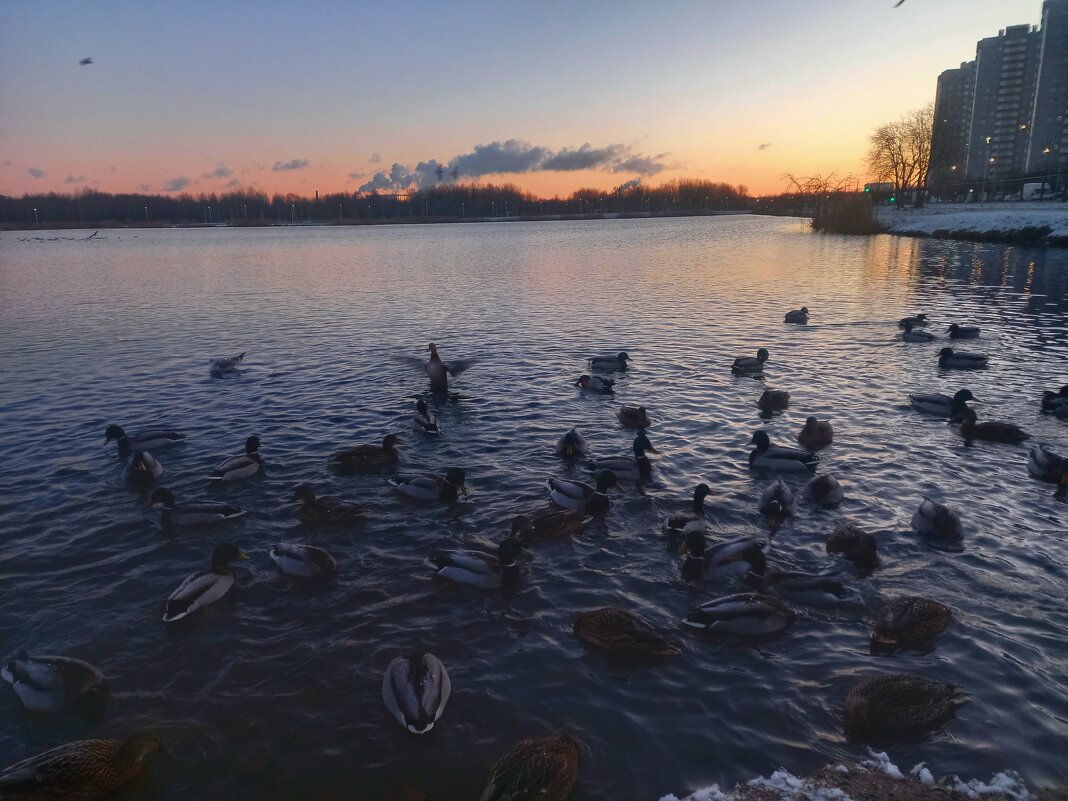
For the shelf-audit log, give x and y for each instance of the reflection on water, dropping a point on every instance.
(275, 693)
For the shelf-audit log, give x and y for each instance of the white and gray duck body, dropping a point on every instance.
(150, 439)
(594, 383)
(423, 420)
(431, 486)
(572, 444)
(239, 467)
(778, 459)
(478, 568)
(747, 614)
(810, 589)
(680, 524)
(636, 468)
(825, 490)
(192, 513)
(299, 560)
(940, 405)
(910, 334)
(580, 496)
(415, 689)
(204, 587)
(741, 556)
(227, 364)
(777, 503)
(48, 684)
(609, 364)
(939, 525)
(143, 469)
(961, 360)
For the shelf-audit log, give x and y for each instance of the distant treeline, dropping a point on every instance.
(461, 201)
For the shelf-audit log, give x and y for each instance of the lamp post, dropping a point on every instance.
(36, 221)
(953, 169)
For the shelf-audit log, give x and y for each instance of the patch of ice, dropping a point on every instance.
(712, 793)
(1008, 783)
(880, 761)
(920, 772)
(841, 768)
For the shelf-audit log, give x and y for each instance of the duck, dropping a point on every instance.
(909, 621)
(549, 524)
(580, 496)
(238, 467)
(571, 444)
(83, 770)
(55, 683)
(941, 405)
(911, 335)
(747, 614)
(777, 503)
(774, 400)
(741, 555)
(369, 456)
(963, 331)
(915, 321)
(192, 513)
(479, 569)
(303, 561)
(816, 435)
(204, 587)
(749, 364)
(594, 383)
(415, 689)
(825, 490)
(431, 486)
(961, 360)
(894, 705)
(423, 420)
(636, 468)
(1055, 401)
(227, 364)
(810, 589)
(151, 439)
(439, 372)
(544, 769)
(1045, 465)
(634, 416)
(990, 430)
(797, 315)
(609, 364)
(858, 546)
(620, 631)
(769, 457)
(938, 524)
(144, 469)
(681, 523)
(328, 509)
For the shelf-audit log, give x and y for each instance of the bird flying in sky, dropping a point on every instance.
(85, 61)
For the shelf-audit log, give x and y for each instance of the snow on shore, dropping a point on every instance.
(976, 218)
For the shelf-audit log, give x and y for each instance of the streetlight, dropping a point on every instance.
(36, 221)
(209, 213)
(463, 211)
(146, 213)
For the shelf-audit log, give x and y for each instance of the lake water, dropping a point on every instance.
(275, 693)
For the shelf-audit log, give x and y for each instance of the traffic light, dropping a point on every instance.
(892, 199)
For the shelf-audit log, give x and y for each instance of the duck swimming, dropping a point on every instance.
(1045, 465)
(638, 468)
(549, 524)
(622, 632)
(431, 486)
(227, 364)
(816, 435)
(594, 383)
(580, 496)
(859, 547)
(328, 510)
(423, 420)
(963, 331)
(238, 467)
(941, 405)
(192, 513)
(769, 457)
(544, 769)
(84, 770)
(151, 439)
(916, 321)
(891, 706)
(961, 360)
(205, 587)
(809, 589)
(479, 569)
(746, 614)
(825, 490)
(369, 456)
(439, 372)
(416, 688)
(1055, 402)
(681, 523)
(572, 444)
(144, 469)
(609, 364)
(911, 335)
(634, 416)
(909, 621)
(741, 555)
(777, 503)
(55, 683)
(774, 400)
(989, 430)
(939, 525)
(748, 364)
(797, 315)
(303, 561)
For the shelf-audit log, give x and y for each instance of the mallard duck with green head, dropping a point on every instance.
(204, 587)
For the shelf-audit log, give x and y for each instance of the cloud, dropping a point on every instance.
(222, 171)
(75, 179)
(295, 164)
(764, 146)
(356, 176)
(36, 172)
(631, 184)
(232, 183)
(144, 187)
(514, 156)
(375, 159)
(176, 184)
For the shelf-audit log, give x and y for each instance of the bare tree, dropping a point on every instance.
(900, 152)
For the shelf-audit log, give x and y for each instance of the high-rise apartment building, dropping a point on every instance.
(1048, 148)
(952, 124)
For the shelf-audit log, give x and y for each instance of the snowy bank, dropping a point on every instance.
(1025, 223)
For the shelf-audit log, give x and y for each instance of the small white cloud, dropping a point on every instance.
(176, 184)
(36, 172)
(295, 164)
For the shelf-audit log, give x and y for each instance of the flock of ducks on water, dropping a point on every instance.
(416, 686)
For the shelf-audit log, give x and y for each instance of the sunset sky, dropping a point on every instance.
(292, 97)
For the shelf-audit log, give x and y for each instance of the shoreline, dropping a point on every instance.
(1026, 224)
